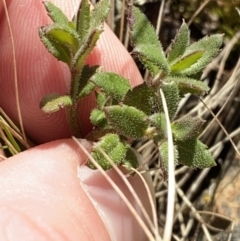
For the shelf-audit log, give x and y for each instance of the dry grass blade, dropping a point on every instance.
(117, 189)
(202, 6)
(152, 202)
(212, 214)
(122, 21)
(146, 216)
(224, 130)
(171, 177)
(110, 18)
(15, 72)
(195, 213)
(10, 135)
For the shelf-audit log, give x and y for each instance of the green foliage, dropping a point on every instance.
(113, 147)
(71, 42)
(163, 155)
(171, 93)
(123, 112)
(194, 153)
(188, 85)
(158, 120)
(113, 85)
(145, 42)
(54, 102)
(55, 13)
(141, 97)
(186, 128)
(180, 43)
(127, 120)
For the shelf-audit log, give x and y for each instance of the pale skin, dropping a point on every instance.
(41, 195)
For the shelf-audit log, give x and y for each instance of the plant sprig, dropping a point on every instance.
(71, 42)
(123, 113)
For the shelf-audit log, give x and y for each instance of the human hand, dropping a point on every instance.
(41, 197)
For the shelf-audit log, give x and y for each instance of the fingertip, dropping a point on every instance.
(40, 194)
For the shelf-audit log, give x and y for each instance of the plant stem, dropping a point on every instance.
(73, 121)
(72, 113)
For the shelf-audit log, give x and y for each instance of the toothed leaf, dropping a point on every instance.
(113, 147)
(145, 42)
(112, 84)
(84, 50)
(99, 14)
(192, 86)
(187, 128)
(63, 34)
(186, 61)
(188, 85)
(211, 46)
(54, 102)
(140, 97)
(55, 13)
(194, 153)
(59, 51)
(180, 43)
(83, 20)
(128, 121)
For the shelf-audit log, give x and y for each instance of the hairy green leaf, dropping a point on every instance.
(112, 84)
(63, 34)
(140, 97)
(145, 42)
(86, 90)
(84, 50)
(83, 20)
(101, 99)
(99, 14)
(180, 43)
(171, 94)
(163, 155)
(113, 147)
(85, 86)
(194, 153)
(187, 128)
(59, 51)
(130, 160)
(98, 133)
(98, 118)
(188, 85)
(186, 61)
(127, 120)
(159, 121)
(55, 13)
(210, 45)
(54, 102)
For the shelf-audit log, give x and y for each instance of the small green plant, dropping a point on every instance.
(123, 113)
